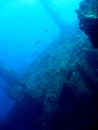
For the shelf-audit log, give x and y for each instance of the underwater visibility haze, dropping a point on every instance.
(48, 65)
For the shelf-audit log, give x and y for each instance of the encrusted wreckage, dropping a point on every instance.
(61, 80)
(59, 90)
(88, 17)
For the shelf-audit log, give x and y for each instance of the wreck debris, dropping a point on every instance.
(88, 17)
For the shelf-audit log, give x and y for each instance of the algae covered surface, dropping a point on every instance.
(64, 65)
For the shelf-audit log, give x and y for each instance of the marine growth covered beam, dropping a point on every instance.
(14, 87)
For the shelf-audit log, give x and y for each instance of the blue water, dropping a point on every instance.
(26, 29)
(6, 104)
(23, 32)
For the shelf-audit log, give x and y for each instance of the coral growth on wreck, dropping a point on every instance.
(88, 17)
